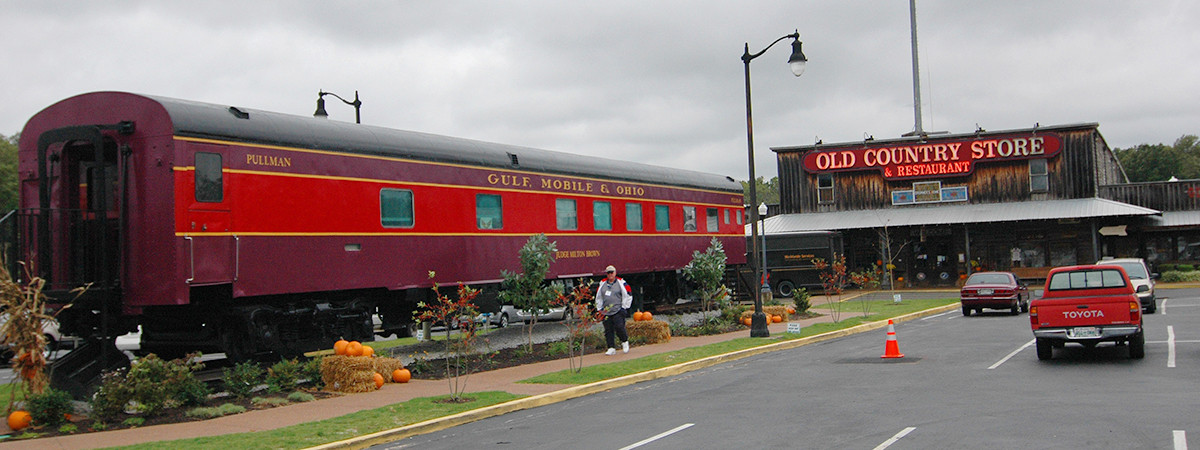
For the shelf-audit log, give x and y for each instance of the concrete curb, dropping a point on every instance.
(464, 417)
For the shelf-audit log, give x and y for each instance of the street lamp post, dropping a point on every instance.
(758, 324)
(357, 104)
(762, 213)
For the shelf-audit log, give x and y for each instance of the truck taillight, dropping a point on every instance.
(1135, 306)
(1135, 312)
(1032, 310)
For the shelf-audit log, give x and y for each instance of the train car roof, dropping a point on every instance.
(235, 123)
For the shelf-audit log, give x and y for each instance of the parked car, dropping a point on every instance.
(1087, 305)
(1141, 277)
(511, 314)
(994, 290)
(54, 339)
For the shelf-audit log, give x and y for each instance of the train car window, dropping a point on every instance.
(209, 184)
(727, 217)
(662, 218)
(602, 215)
(689, 218)
(739, 216)
(633, 216)
(824, 188)
(567, 216)
(489, 212)
(713, 221)
(396, 208)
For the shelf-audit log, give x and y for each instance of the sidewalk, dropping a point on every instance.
(496, 380)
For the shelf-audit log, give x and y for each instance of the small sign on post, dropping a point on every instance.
(420, 335)
(794, 327)
(896, 298)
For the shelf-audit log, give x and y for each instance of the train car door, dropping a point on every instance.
(76, 222)
(210, 244)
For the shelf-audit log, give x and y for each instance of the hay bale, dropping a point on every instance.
(653, 331)
(385, 367)
(351, 374)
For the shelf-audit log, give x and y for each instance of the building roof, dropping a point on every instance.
(1079, 208)
(1176, 219)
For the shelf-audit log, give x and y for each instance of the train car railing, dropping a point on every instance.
(64, 246)
(9, 244)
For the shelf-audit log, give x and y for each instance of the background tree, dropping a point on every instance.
(8, 173)
(579, 301)
(1159, 162)
(707, 270)
(447, 309)
(527, 290)
(768, 191)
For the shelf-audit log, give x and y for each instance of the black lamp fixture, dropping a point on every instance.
(357, 104)
(758, 324)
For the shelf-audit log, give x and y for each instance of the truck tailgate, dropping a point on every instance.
(1086, 311)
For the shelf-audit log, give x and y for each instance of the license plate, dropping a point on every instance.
(986, 292)
(1085, 332)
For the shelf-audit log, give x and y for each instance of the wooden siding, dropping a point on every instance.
(1084, 163)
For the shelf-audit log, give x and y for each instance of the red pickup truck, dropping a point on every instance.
(1087, 305)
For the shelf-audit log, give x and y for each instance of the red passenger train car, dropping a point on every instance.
(224, 228)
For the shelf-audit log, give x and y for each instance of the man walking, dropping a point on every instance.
(614, 297)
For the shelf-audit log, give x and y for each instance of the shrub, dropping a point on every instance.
(242, 378)
(300, 397)
(1177, 276)
(98, 426)
(1185, 267)
(311, 371)
(50, 407)
(155, 383)
(268, 401)
(283, 376)
(134, 422)
(68, 428)
(1167, 267)
(556, 348)
(800, 299)
(111, 397)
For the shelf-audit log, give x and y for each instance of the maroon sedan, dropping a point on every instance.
(994, 290)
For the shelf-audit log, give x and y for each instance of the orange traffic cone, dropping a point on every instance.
(892, 349)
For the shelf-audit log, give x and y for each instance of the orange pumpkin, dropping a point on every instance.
(401, 375)
(378, 380)
(777, 318)
(339, 347)
(647, 316)
(637, 316)
(791, 310)
(368, 351)
(19, 420)
(354, 348)
(747, 321)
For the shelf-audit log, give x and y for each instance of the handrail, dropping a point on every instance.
(192, 257)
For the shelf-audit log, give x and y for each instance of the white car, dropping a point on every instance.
(54, 339)
(511, 314)
(1140, 276)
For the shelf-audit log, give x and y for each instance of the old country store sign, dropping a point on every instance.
(899, 161)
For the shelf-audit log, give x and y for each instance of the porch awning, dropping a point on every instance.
(941, 214)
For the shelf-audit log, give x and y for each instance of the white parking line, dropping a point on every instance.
(935, 315)
(895, 438)
(659, 436)
(1010, 355)
(1170, 346)
(1163, 306)
(1180, 440)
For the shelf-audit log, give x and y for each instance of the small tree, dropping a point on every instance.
(833, 282)
(25, 308)
(449, 310)
(526, 290)
(579, 302)
(868, 279)
(708, 270)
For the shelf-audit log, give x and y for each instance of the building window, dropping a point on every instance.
(209, 186)
(824, 188)
(713, 221)
(489, 212)
(564, 210)
(689, 218)
(633, 217)
(602, 215)
(1039, 176)
(662, 218)
(396, 208)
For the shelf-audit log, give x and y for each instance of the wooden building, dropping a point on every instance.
(940, 206)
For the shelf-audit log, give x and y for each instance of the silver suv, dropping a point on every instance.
(1140, 276)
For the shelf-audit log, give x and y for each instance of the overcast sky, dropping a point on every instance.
(659, 82)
